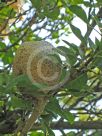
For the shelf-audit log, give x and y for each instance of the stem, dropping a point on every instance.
(39, 108)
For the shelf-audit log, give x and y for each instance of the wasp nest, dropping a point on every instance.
(35, 59)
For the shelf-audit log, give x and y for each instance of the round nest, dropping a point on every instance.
(34, 59)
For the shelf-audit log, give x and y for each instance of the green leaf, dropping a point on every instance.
(47, 118)
(55, 57)
(22, 82)
(55, 35)
(87, 4)
(1, 103)
(98, 43)
(49, 131)
(53, 15)
(71, 134)
(46, 123)
(4, 12)
(79, 83)
(64, 72)
(37, 4)
(99, 1)
(97, 61)
(19, 103)
(68, 116)
(77, 32)
(72, 46)
(2, 45)
(75, 2)
(7, 57)
(69, 54)
(91, 44)
(13, 38)
(79, 12)
(54, 106)
(2, 79)
(37, 134)
(2, 90)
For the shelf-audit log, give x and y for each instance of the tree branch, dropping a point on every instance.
(75, 125)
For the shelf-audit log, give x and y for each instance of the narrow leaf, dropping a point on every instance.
(79, 83)
(77, 32)
(79, 12)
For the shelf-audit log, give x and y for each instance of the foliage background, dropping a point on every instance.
(75, 105)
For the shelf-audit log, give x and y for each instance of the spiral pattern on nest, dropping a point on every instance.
(32, 58)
